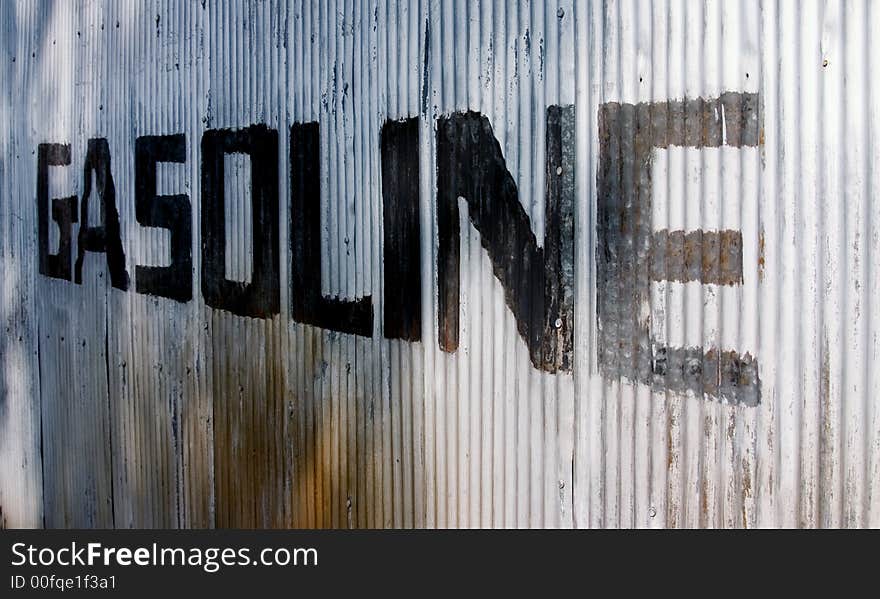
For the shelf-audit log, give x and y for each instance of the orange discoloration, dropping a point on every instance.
(249, 459)
(711, 257)
(761, 256)
(746, 490)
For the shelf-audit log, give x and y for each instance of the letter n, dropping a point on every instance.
(537, 281)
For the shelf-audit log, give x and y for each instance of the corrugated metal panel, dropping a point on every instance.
(688, 338)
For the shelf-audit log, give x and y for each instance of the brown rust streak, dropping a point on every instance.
(249, 416)
(746, 490)
(761, 262)
(710, 257)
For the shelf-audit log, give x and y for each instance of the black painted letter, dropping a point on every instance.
(168, 212)
(400, 210)
(630, 254)
(309, 306)
(63, 212)
(104, 238)
(261, 297)
(538, 282)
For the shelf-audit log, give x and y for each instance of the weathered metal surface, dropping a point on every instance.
(368, 263)
(631, 256)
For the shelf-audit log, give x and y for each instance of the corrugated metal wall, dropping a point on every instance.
(724, 289)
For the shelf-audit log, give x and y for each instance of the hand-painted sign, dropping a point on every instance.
(472, 177)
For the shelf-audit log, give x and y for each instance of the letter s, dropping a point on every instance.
(19, 554)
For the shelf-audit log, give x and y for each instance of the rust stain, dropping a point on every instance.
(826, 440)
(746, 490)
(708, 427)
(761, 262)
(711, 257)
(249, 460)
(704, 503)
